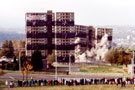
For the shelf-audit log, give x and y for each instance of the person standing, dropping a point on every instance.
(123, 82)
(11, 84)
(45, 82)
(27, 83)
(6, 83)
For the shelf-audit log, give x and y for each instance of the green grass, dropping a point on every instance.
(85, 87)
(50, 72)
(101, 69)
(83, 70)
(117, 66)
(11, 71)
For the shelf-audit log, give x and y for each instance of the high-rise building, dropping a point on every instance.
(46, 33)
(65, 35)
(40, 28)
(56, 33)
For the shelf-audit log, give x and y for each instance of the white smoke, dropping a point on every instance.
(77, 40)
(79, 55)
(102, 47)
(96, 53)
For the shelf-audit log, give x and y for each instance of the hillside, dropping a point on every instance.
(11, 34)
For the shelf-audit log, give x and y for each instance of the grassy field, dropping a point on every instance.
(49, 72)
(85, 87)
(101, 69)
(83, 68)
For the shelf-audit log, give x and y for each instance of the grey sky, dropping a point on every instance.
(87, 12)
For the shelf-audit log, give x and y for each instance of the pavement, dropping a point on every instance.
(16, 76)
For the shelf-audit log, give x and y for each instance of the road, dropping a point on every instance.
(16, 76)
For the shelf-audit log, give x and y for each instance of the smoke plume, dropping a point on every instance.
(95, 54)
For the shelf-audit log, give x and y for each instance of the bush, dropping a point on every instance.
(50, 59)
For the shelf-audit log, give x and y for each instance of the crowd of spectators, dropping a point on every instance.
(70, 82)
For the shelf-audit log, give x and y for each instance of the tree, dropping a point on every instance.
(5, 44)
(7, 49)
(37, 60)
(10, 45)
(14, 60)
(21, 43)
(50, 59)
(118, 56)
(112, 56)
(127, 59)
(4, 52)
(15, 64)
(22, 57)
(11, 49)
(15, 44)
(120, 59)
(26, 69)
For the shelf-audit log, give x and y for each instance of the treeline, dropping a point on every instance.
(7, 49)
(119, 56)
(10, 48)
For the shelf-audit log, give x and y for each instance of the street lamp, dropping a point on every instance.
(132, 66)
(19, 61)
(56, 70)
(69, 63)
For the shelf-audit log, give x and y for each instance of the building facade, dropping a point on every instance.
(100, 32)
(56, 33)
(91, 37)
(64, 35)
(81, 32)
(50, 35)
(40, 28)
